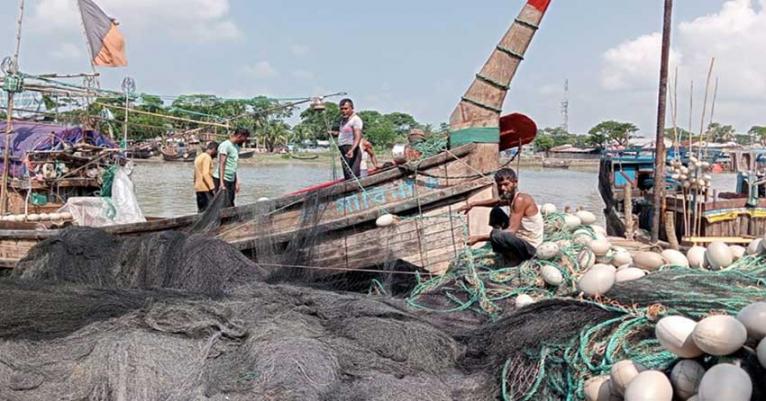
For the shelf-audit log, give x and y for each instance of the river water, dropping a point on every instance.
(165, 189)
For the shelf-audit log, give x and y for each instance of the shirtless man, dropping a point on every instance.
(517, 224)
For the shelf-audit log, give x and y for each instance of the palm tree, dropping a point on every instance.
(273, 134)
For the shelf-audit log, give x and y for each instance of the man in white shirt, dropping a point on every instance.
(350, 139)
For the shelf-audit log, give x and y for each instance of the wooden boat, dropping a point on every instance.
(560, 164)
(246, 153)
(423, 194)
(733, 215)
(171, 154)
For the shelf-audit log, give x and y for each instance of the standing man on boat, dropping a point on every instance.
(350, 139)
(516, 221)
(225, 176)
(203, 176)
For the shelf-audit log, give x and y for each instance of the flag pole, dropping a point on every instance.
(659, 158)
(14, 69)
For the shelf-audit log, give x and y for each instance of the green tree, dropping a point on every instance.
(544, 142)
(758, 133)
(319, 123)
(720, 133)
(379, 129)
(402, 122)
(611, 132)
(274, 133)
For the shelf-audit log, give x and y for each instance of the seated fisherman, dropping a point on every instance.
(517, 224)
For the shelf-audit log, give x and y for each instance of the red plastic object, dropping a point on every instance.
(515, 130)
(541, 5)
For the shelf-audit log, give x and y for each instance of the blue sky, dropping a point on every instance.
(417, 56)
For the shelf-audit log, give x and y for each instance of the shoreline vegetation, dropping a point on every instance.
(327, 159)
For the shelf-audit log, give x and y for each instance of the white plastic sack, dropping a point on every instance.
(121, 208)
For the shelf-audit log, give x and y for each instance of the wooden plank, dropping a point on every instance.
(708, 239)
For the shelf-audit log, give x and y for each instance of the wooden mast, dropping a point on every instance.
(12, 74)
(477, 117)
(659, 158)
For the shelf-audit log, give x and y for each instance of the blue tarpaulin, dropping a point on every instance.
(30, 136)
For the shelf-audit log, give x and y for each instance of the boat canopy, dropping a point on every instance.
(31, 137)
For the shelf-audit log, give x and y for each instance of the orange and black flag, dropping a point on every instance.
(107, 46)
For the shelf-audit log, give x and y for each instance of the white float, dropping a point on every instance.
(648, 260)
(523, 300)
(385, 220)
(598, 280)
(621, 258)
(586, 259)
(696, 256)
(599, 247)
(719, 335)
(649, 385)
(551, 275)
(718, 255)
(547, 250)
(622, 373)
(753, 317)
(737, 252)
(571, 222)
(725, 382)
(598, 388)
(586, 217)
(761, 352)
(675, 334)
(675, 258)
(629, 274)
(686, 377)
(754, 247)
(548, 208)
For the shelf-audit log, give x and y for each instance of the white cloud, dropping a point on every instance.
(299, 50)
(634, 64)
(261, 70)
(733, 35)
(200, 20)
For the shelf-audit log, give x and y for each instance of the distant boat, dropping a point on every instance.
(563, 164)
(246, 153)
(172, 154)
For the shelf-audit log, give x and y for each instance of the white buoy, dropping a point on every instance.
(586, 217)
(675, 258)
(548, 208)
(648, 260)
(675, 334)
(761, 352)
(263, 199)
(599, 247)
(753, 248)
(598, 280)
(696, 257)
(719, 335)
(600, 230)
(621, 258)
(551, 275)
(523, 300)
(600, 388)
(753, 317)
(737, 251)
(385, 220)
(718, 255)
(66, 216)
(586, 259)
(725, 382)
(571, 222)
(630, 274)
(649, 385)
(686, 377)
(33, 217)
(45, 217)
(547, 251)
(622, 373)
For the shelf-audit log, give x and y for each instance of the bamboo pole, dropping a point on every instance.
(659, 160)
(628, 202)
(164, 116)
(6, 155)
(670, 229)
